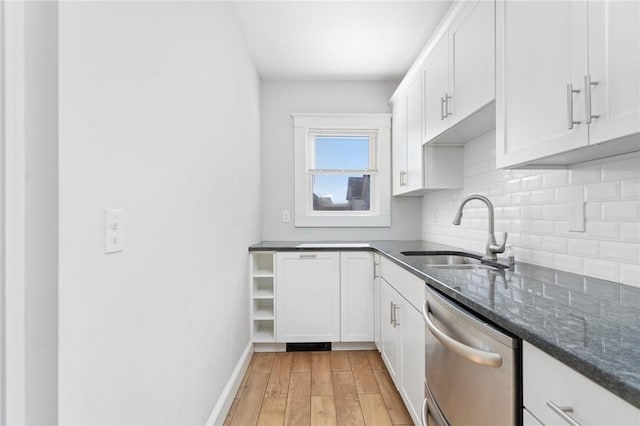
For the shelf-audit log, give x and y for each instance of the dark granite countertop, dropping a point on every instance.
(589, 324)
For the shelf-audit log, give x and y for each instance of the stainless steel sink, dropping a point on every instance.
(454, 260)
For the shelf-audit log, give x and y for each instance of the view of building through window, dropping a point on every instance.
(340, 179)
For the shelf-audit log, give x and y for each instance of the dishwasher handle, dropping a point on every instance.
(488, 359)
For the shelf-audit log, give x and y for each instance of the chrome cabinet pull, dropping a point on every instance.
(391, 311)
(587, 98)
(425, 412)
(403, 180)
(395, 316)
(442, 109)
(489, 359)
(308, 256)
(570, 92)
(446, 105)
(562, 412)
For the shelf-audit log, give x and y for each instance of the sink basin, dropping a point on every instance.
(454, 260)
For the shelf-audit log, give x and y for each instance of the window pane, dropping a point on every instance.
(341, 192)
(342, 152)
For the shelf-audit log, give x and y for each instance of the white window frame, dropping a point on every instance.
(378, 128)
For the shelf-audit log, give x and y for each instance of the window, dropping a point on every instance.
(342, 169)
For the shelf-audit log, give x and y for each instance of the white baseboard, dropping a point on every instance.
(223, 405)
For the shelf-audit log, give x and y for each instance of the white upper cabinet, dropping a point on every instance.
(414, 132)
(437, 96)
(546, 54)
(399, 146)
(614, 62)
(459, 76)
(472, 52)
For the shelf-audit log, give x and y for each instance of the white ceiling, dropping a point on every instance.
(332, 40)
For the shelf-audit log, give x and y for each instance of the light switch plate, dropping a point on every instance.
(576, 216)
(113, 232)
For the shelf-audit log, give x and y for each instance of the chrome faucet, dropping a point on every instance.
(492, 248)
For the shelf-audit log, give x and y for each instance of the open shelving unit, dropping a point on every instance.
(263, 292)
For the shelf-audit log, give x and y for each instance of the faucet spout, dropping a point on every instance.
(492, 247)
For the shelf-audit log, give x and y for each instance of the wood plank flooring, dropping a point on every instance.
(341, 388)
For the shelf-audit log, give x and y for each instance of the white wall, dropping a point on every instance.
(281, 98)
(41, 202)
(532, 205)
(159, 116)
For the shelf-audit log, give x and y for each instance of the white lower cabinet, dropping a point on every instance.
(548, 382)
(356, 301)
(324, 297)
(308, 297)
(377, 301)
(403, 347)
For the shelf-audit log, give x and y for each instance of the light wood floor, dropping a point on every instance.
(317, 388)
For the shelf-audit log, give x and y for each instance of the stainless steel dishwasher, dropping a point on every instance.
(472, 368)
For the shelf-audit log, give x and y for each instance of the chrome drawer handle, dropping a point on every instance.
(489, 359)
(308, 256)
(570, 92)
(562, 412)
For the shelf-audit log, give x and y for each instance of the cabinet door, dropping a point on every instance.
(540, 50)
(614, 62)
(436, 87)
(356, 287)
(308, 297)
(399, 146)
(390, 340)
(472, 52)
(414, 135)
(377, 302)
(412, 372)
(592, 405)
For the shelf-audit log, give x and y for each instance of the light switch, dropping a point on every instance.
(286, 216)
(576, 216)
(113, 232)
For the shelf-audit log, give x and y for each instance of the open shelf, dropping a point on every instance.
(263, 309)
(262, 264)
(263, 288)
(263, 331)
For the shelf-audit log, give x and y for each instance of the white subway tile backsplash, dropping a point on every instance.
(542, 258)
(554, 244)
(585, 248)
(630, 189)
(569, 193)
(542, 226)
(621, 252)
(532, 205)
(620, 210)
(531, 241)
(582, 175)
(532, 182)
(630, 274)
(555, 211)
(555, 179)
(592, 211)
(630, 231)
(521, 198)
(601, 269)
(624, 169)
(569, 263)
(602, 191)
(543, 196)
(602, 230)
(513, 185)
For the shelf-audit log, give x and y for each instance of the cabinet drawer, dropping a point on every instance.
(545, 379)
(407, 284)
